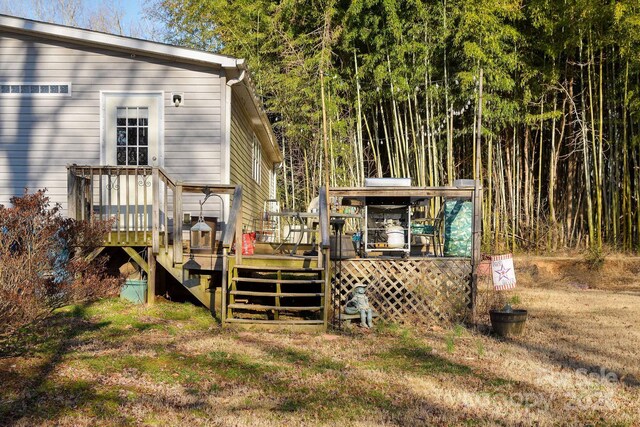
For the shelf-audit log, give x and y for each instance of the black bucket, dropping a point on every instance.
(508, 323)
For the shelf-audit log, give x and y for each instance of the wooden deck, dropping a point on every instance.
(269, 289)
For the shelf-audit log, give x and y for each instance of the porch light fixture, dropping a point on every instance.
(177, 98)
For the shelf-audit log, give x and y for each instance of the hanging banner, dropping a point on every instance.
(504, 276)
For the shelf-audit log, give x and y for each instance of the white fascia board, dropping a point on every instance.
(78, 35)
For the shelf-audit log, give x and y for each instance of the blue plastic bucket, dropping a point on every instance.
(134, 291)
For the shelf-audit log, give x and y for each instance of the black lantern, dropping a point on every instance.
(189, 278)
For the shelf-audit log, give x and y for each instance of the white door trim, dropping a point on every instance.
(157, 95)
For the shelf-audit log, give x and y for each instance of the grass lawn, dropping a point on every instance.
(113, 363)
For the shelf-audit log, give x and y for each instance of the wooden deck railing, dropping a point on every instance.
(233, 229)
(324, 250)
(145, 201)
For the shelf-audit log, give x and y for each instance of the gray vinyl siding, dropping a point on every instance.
(39, 136)
(241, 170)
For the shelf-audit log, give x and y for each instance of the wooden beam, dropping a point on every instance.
(155, 211)
(94, 254)
(477, 240)
(225, 284)
(361, 192)
(234, 214)
(327, 301)
(72, 193)
(151, 278)
(137, 258)
(177, 224)
(189, 187)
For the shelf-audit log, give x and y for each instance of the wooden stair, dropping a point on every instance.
(198, 289)
(276, 291)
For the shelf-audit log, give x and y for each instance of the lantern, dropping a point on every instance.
(201, 237)
(188, 277)
(201, 233)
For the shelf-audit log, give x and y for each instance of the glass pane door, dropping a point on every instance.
(132, 136)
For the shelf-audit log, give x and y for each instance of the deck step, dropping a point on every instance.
(287, 269)
(276, 322)
(277, 294)
(274, 307)
(281, 281)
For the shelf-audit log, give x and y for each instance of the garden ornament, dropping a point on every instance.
(359, 303)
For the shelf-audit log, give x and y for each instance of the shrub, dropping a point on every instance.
(43, 260)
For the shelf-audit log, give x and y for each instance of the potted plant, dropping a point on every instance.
(505, 320)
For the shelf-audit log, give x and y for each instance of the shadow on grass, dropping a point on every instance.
(165, 380)
(342, 391)
(574, 353)
(50, 339)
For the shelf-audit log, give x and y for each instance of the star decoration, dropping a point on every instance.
(503, 272)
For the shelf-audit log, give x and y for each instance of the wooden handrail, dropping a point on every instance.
(101, 192)
(324, 218)
(234, 216)
(155, 212)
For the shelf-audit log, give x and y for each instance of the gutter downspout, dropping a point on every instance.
(226, 144)
(237, 79)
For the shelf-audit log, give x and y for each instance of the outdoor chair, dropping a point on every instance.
(430, 228)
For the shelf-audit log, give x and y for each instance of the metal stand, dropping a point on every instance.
(338, 225)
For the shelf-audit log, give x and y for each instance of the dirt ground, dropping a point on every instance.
(112, 363)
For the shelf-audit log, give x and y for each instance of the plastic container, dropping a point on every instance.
(248, 243)
(134, 291)
(395, 236)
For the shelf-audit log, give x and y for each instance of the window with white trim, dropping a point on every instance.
(35, 89)
(257, 160)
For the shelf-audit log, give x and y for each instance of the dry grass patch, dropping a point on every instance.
(113, 363)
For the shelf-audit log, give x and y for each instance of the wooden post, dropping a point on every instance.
(155, 211)
(477, 236)
(324, 252)
(326, 275)
(72, 194)
(239, 228)
(478, 159)
(165, 208)
(151, 279)
(225, 285)
(177, 224)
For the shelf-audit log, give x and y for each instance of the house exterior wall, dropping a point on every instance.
(242, 136)
(39, 136)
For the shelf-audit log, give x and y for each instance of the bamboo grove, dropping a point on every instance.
(560, 151)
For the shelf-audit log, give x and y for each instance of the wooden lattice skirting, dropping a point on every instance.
(415, 291)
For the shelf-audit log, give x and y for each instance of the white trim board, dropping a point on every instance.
(61, 32)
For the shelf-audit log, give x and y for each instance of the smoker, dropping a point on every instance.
(387, 220)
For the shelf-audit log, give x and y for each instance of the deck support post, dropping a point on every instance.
(475, 251)
(177, 224)
(151, 279)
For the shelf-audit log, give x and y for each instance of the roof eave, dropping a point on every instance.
(88, 37)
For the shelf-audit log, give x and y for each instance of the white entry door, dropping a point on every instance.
(132, 128)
